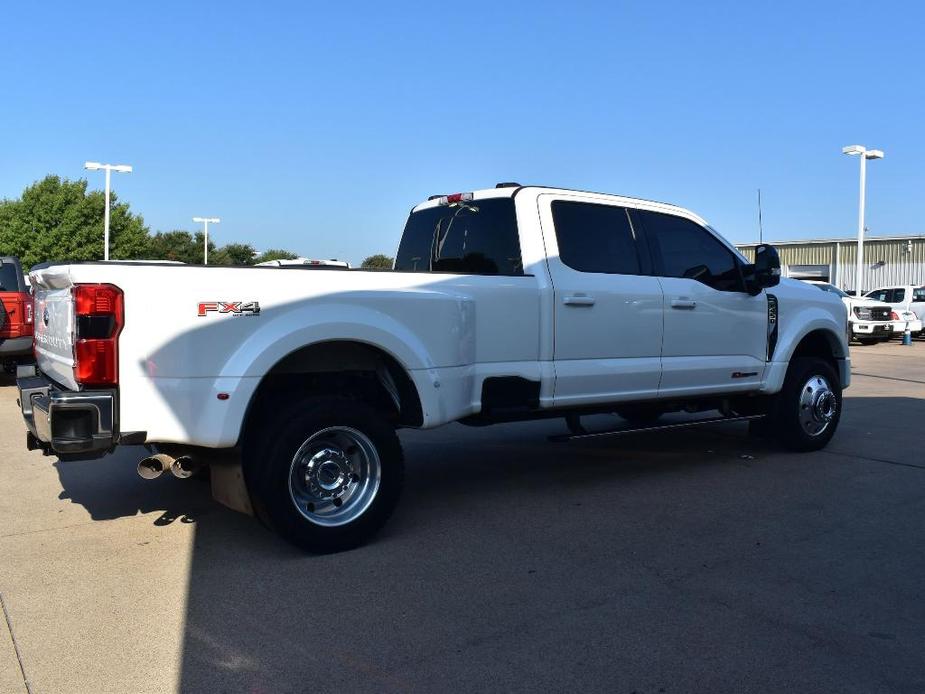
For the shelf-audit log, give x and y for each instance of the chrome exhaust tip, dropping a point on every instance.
(154, 466)
(184, 467)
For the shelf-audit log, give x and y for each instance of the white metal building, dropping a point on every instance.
(888, 260)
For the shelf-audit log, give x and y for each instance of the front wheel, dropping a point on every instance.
(328, 474)
(867, 341)
(806, 412)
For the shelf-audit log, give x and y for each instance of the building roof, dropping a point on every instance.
(910, 237)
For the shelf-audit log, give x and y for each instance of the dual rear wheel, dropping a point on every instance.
(327, 474)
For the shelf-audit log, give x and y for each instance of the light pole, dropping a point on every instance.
(864, 155)
(205, 225)
(108, 168)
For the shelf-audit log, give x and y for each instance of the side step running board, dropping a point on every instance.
(559, 438)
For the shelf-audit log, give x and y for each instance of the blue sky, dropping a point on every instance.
(316, 127)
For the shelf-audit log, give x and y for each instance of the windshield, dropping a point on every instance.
(478, 238)
(830, 288)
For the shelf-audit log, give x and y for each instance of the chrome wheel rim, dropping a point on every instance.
(818, 405)
(334, 476)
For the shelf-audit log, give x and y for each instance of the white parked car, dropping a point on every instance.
(869, 321)
(902, 299)
(902, 320)
(305, 262)
(506, 304)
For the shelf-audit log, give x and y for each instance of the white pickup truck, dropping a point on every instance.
(518, 302)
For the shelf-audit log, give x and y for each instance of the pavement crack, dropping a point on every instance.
(84, 523)
(9, 626)
(888, 378)
(46, 530)
(873, 460)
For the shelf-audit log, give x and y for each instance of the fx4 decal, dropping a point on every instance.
(235, 308)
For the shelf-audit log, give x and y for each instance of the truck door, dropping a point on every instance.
(607, 310)
(716, 333)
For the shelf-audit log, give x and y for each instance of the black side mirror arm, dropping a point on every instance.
(750, 280)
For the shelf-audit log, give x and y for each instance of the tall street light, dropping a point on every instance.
(205, 224)
(864, 155)
(108, 168)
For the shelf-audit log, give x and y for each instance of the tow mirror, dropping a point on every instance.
(765, 272)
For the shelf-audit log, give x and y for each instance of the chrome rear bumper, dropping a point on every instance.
(71, 424)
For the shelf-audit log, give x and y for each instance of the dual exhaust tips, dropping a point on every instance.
(152, 467)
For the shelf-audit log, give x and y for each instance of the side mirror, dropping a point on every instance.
(765, 272)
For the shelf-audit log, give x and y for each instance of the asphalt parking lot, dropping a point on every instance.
(702, 561)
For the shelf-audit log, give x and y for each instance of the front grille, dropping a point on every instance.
(880, 314)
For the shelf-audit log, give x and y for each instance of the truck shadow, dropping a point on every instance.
(473, 499)
(522, 561)
(506, 546)
(110, 488)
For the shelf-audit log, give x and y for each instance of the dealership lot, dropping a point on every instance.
(699, 561)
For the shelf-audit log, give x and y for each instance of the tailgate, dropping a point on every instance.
(54, 334)
(14, 319)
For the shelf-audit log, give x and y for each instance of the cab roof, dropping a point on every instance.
(510, 190)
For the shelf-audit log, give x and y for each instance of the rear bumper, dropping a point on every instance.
(915, 326)
(71, 424)
(16, 346)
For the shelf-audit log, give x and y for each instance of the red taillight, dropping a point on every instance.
(99, 316)
(894, 315)
(97, 299)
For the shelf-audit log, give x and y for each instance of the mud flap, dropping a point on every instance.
(228, 487)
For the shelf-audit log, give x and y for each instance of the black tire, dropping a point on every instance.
(641, 415)
(274, 474)
(790, 409)
(868, 340)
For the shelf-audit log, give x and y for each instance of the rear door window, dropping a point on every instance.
(478, 237)
(879, 294)
(595, 238)
(918, 294)
(683, 248)
(10, 278)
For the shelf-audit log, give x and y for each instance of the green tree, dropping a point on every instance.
(178, 245)
(57, 219)
(233, 254)
(275, 254)
(378, 261)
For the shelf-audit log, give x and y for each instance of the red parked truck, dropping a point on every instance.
(15, 315)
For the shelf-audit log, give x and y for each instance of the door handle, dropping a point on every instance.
(578, 300)
(683, 303)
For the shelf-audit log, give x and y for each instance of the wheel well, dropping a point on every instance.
(338, 367)
(822, 344)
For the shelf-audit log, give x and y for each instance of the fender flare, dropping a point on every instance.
(806, 321)
(246, 368)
